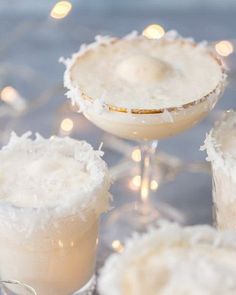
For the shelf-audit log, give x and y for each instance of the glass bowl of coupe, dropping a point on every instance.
(144, 90)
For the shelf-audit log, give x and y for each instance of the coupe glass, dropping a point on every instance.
(145, 126)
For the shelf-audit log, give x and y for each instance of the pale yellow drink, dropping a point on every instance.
(52, 192)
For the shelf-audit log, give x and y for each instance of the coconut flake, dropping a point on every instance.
(213, 145)
(44, 179)
(194, 274)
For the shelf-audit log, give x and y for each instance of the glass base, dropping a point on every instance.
(88, 289)
(124, 221)
(23, 289)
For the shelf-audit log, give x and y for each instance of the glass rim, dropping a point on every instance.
(113, 108)
(218, 129)
(143, 111)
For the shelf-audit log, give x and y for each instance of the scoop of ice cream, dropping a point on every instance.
(142, 69)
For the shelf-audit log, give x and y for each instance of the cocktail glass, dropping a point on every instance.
(145, 126)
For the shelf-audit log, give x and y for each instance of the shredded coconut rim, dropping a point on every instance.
(168, 234)
(90, 195)
(213, 144)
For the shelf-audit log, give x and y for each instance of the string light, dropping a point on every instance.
(67, 125)
(135, 182)
(60, 244)
(154, 31)
(8, 94)
(117, 246)
(154, 185)
(61, 9)
(136, 155)
(144, 190)
(224, 48)
(11, 96)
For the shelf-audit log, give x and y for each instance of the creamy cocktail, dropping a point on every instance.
(173, 261)
(52, 192)
(221, 149)
(144, 89)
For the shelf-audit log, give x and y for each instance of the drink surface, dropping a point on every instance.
(139, 73)
(50, 172)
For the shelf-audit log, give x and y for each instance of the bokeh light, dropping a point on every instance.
(117, 246)
(136, 155)
(9, 94)
(224, 48)
(135, 182)
(144, 190)
(154, 31)
(60, 244)
(67, 125)
(61, 9)
(12, 97)
(154, 185)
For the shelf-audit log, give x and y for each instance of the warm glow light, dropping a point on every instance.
(144, 190)
(9, 94)
(154, 185)
(61, 9)
(135, 182)
(117, 246)
(136, 155)
(12, 97)
(154, 31)
(67, 125)
(224, 48)
(60, 244)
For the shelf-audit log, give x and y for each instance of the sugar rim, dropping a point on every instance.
(110, 282)
(78, 96)
(92, 196)
(213, 147)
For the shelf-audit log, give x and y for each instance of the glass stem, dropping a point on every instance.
(148, 151)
